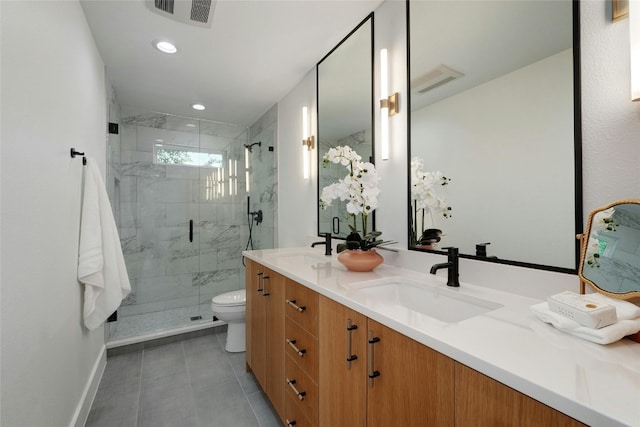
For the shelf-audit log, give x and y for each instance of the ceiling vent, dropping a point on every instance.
(435, 78)
(193, 12)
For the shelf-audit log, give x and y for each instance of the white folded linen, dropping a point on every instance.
(101, 264)
(606, 335)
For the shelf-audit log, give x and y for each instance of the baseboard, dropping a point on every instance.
(89, 393)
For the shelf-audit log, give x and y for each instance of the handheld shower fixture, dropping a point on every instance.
(248, 146)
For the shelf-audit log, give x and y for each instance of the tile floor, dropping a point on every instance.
(188, 383)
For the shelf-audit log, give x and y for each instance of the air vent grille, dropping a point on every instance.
(166, 5)
(200, 10)
(193, 12)
(436, 84)
(435, 78)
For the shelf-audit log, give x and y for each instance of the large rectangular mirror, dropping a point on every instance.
(345, 117)
(495, 108)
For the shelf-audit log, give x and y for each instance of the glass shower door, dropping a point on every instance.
(222, 212)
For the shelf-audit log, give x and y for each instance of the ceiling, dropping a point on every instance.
(483, 40)
(251, 56)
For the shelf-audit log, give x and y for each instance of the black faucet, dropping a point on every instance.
(481, 249)
(451, 265)
(326, 243)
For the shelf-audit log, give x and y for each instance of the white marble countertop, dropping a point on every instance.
(597, 385)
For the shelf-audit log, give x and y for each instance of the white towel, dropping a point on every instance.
(606, 335)
(101, 264)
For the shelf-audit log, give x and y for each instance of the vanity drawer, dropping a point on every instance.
(300, 388)
(293, 414)
(302, 306)
(302, 347)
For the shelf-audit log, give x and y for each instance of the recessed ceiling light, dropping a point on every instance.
(190, 125)
(165, 46)
(198, 107)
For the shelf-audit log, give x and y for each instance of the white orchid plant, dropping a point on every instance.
(602, 222)
(425, 187)
(359, 189)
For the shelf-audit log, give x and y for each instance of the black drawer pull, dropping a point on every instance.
(292, 303)
(292, 343)
(300, 394)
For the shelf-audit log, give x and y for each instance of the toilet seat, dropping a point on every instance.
(230, 299)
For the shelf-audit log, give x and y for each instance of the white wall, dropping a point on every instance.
(297, 197)
(53, 98)
(611, 131)
(610, 121)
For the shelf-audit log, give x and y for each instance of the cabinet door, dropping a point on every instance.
(343, 385)
(483, 401)
(412, 384)
(256, 324)
(273, 298)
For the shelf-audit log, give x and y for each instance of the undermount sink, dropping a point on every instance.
(302, 258)
(439, 302)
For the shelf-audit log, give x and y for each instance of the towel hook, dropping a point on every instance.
(75, 152)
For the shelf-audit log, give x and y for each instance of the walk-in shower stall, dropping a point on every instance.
(180, 189)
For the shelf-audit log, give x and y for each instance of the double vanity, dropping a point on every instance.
(393, 346)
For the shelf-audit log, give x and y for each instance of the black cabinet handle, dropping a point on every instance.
(372, 372)
(350, 357)
(191, 230)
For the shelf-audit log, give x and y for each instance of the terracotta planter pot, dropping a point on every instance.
(359, 260)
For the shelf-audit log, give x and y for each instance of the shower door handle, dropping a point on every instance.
(191, 230)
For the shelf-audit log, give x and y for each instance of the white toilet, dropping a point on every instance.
(230, 307)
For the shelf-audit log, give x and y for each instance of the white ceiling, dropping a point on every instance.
(483, 39)
(254, 53)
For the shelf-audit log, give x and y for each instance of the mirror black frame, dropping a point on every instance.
(577, 145)
(371, 103)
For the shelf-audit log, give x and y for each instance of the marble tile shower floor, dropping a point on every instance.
(189, 383)
(140, 324)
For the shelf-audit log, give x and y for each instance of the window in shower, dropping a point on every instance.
(187, 156)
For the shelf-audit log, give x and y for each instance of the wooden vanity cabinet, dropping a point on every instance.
(323, 364)
(393, 380)
(483, 401)
(265, 331)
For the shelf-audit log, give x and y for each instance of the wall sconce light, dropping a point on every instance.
(634, 38)
(388, 104)
(307, 144)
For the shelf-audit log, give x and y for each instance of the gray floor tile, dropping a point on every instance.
(224, 405)
(163, 361)
(168, 416)
(122, 368)
(115, 405)
(267, 418)
(207, 343)
(248, 382)
(203, 369)
(185, 384)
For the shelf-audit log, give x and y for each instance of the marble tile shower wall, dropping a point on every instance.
(263, 182)
(156, 203)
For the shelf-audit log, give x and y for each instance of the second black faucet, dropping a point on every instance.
(452, 266)
(326, 243)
